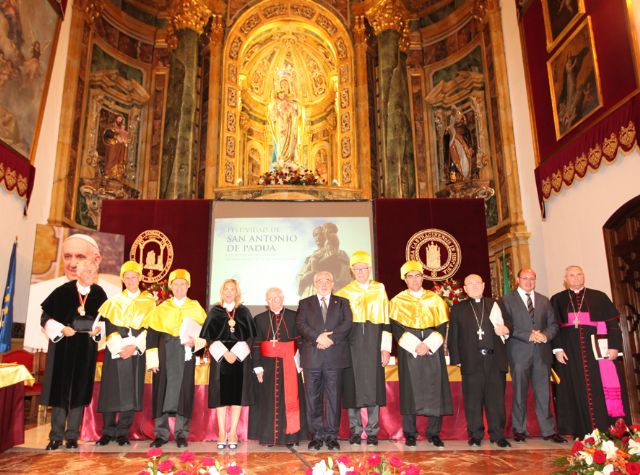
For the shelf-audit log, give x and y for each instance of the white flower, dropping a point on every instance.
(213, 471)
(609, 448)
(588, 458)
(343, 468)
(634, 447)
(321, 469)
(608, 469)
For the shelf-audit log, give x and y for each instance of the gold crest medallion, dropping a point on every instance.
(152, 249)
(438, 252)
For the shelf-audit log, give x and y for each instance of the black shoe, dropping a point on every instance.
(123, 440)
(315, 444)
(290, 445)
(473, 442)
(519, 436)
(104, 440)
(436, 441)
(355, 440)
(157, 443)
(502, 443)
(372, 440)
(71, 444)
(410, 441)
(557, 438)
(332, 444)
(53, 445)
(181, 442)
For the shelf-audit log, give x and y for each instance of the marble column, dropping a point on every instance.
(388, 18)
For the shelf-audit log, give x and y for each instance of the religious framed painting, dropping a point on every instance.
(27, 46)
(560, 16)
(574, 80)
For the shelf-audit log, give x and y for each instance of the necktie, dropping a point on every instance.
(323, 308)
(529, 305)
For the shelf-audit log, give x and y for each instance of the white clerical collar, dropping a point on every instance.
(179, 302)
(417, 294)
(82, 289)
(133, 294)
(277, 312)
(578, 291)
(478, 300)
(365, 286)
(229, 306)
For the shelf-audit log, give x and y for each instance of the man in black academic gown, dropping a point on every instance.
(419, 323)
(278, 416)
(591, 393)
(67, 318)
(122, 385)
(324, 321)
(477, 335)
(172, 338)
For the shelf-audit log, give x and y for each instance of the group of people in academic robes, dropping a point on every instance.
(341, 341)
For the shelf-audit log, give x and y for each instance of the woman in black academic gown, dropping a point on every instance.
(230, 330)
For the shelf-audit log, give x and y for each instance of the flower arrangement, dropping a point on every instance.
(616, 452)
(366, 465)
(187, 464)
(159, 290)
(286, 175)
(450, 290)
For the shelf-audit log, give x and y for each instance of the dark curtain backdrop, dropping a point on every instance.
(396, 220)
(185, 223)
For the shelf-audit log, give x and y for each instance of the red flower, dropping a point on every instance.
(411, 470)
(234, 470)
(590, 441)
(395, 461)
(309, 471)
(615, 472)
(165, 466)
(577, 447)
(187, 456)
(633, 468)
(154, 452)
(182, 472)
(374, 460)
(143, 472)
(344, 459)
(207, 461)
(351, 472)
(599, 457)
(635, 427)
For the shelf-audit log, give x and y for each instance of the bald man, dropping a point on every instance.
(591, 393)
(477, 336)
(75, 248)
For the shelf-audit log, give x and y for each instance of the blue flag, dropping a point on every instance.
(6, 319)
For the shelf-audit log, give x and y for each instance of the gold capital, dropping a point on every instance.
(189, 14)
(359, 29)
(387, 15)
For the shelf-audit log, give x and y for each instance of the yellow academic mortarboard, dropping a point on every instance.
(130, 266)
(408, 267)
(360, 257)
(180, 274)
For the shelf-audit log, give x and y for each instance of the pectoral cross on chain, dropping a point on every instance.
(480, 332)
(273, 341)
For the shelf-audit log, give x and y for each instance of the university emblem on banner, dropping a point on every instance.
(152, 249)
(437, 250)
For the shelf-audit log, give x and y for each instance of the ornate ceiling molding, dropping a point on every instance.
(189, 14)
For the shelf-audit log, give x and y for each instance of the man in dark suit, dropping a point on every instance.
(324, 321)
(530, 356)
(477, 336)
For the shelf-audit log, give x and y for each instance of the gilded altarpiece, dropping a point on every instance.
(288, 102)
(462, 130)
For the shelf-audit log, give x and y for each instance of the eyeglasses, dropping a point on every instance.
(359, 269)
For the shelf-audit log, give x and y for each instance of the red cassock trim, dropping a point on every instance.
(286, 351)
